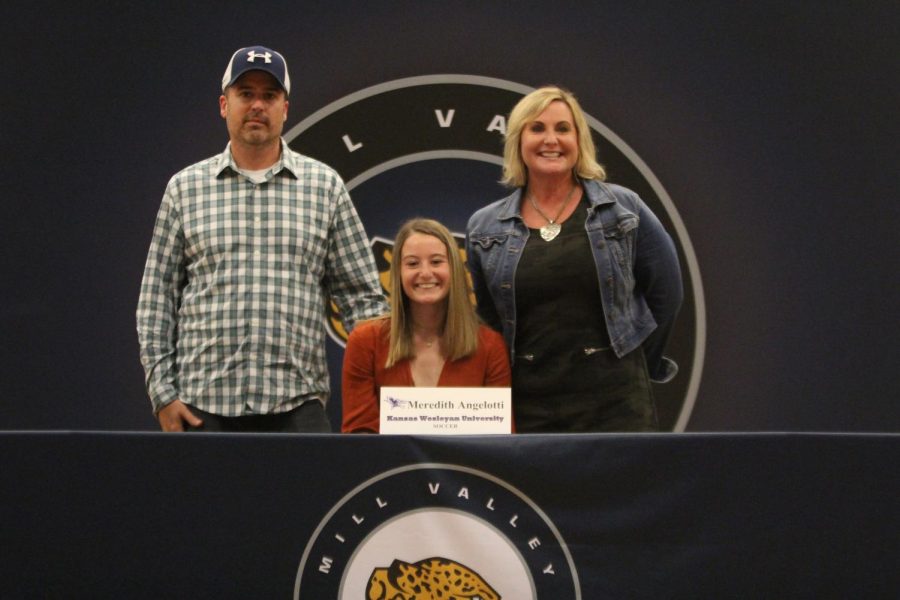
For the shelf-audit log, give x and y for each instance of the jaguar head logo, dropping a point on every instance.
(429, 579)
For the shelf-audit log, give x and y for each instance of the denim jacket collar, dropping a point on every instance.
(596, 191)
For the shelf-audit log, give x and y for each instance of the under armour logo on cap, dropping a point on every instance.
(257, 58)
(252, 56)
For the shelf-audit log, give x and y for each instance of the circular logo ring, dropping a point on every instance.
(435, 493)
(393, 125)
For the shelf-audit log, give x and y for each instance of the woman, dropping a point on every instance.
(578, 274)
(432, 336)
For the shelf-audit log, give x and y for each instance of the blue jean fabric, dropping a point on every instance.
(636, 261)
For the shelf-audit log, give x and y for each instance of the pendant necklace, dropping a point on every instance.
(552, 228)
(429, 342)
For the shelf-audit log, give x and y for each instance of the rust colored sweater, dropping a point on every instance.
(364, 373)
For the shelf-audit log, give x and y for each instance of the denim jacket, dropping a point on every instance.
(637, 269)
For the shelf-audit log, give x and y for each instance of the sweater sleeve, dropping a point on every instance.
(497, 372)
(359, 393)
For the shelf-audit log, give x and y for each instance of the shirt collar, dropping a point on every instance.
(287, 161)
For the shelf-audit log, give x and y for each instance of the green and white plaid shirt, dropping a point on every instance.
(231, 315)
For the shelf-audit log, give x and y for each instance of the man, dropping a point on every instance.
(248, 247)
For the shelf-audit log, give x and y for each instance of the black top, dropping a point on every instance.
(566, 376)
(558, 306)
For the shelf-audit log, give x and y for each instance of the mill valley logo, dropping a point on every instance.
(432, 146)
(435, 532)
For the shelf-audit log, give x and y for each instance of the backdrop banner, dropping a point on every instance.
(147, 515)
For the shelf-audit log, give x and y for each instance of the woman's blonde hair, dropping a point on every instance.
(460, 331)
(515, 173)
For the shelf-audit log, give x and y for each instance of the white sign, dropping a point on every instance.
(445, 410)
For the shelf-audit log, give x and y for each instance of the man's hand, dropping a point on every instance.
(174, 415)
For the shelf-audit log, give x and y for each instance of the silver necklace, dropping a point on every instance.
(428, 342)
(552, 228)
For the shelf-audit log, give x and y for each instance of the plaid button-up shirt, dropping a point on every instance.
(231, 315)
